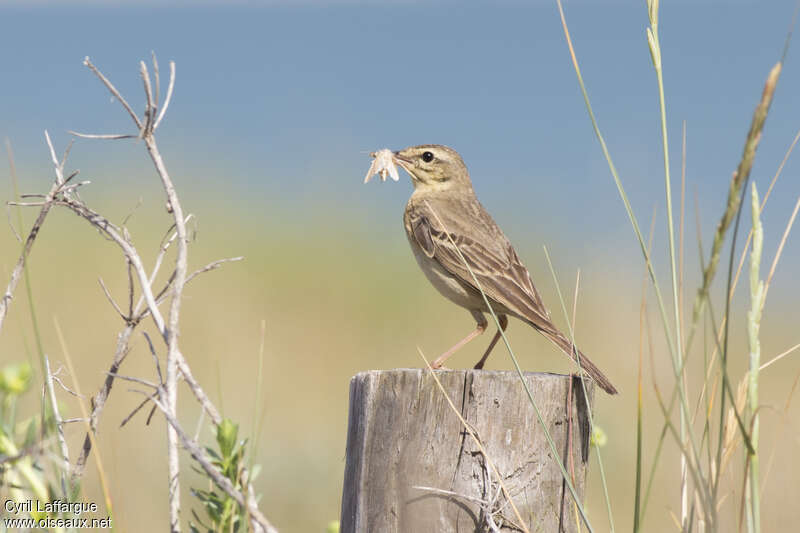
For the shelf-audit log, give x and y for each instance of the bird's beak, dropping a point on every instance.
(406, 163)
(401, 159)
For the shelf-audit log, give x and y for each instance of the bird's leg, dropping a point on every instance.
(479, 329)
(503, 319)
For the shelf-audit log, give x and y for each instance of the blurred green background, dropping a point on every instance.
(275, 109)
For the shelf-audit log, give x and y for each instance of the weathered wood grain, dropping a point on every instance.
(402, 434)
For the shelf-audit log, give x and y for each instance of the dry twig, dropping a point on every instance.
(165, 399)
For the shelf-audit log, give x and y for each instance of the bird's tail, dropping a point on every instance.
(584, 362)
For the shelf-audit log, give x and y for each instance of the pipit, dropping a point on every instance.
(442, 217)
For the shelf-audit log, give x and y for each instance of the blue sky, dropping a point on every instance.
(277, 105)
(283, 100)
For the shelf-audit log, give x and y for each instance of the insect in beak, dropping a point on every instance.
(383, 164)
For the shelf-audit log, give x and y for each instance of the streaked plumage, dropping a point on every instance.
(443, 203)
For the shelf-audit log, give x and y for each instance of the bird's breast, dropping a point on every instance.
(448, 285)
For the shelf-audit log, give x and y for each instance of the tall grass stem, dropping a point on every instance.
(757, 295)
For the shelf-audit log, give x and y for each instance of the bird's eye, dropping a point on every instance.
(427, 157)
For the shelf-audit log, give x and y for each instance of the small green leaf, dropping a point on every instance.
(213, 453)
(226, 436)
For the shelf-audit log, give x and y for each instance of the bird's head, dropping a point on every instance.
(433, 167)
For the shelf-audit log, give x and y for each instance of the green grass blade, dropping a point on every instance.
(583, 385)
(638, 511)
(752, 496)
(623, 195)
(655, 53)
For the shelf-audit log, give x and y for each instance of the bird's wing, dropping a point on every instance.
(489, 254)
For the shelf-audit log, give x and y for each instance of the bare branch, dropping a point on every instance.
(174, 356)
(130, 287)
(75, 173)
(16, 274)
(11, 224)
(58, 167)
(111, 299)
(64, 157)
(56, 379)
(73, 420)
(166, 242)
(100, 398)
(165, 397)
(132, 212)
(111, 136)
(213, 266)
(114, 91)
(198, 391)
(258, 520)
(71, 188)
(158, 79)
(62, 443)
(119, 356)
(150, 416)
(26, 204)
(167, 100)
(148, 110)
(155, 357)
(162, 294)
(114, 233)
(135, 380)
(135, 410)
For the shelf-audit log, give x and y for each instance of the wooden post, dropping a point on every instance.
(402, 435)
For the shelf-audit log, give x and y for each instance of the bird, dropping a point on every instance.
(448, 229)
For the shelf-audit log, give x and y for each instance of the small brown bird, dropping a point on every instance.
(444, 210)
